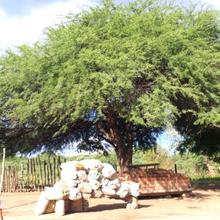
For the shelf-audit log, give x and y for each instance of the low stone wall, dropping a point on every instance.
(157, 181)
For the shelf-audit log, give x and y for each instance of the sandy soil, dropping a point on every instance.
(202, 204)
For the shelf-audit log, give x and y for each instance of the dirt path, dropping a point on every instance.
(203, 204)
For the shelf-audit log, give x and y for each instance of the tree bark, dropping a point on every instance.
(123, 147)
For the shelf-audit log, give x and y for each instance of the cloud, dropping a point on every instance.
(215, 3)
(15, 8)
(29, 29)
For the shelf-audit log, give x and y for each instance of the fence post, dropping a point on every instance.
(41, 176)
(21, 182)
(48, 174)
(27, 175)
(31, 161)
(6, 179)
(175, 168)
(58, 167)
(45, 172)
(34, 174)
(13, 179)
(9, 177)
(16, 179)
(54, 170)
(51, 175)
(37, 167)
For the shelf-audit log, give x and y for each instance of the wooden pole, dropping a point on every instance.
(51, 175)
(38, 181)
(175, 168)
(58, 167)
(54, 170)
(13, 179)
(41, 175)
(16, 179)
(21, 182)
(34, 174)
(27, 175)
(48, 175)
(9, 178)
(31, 164)
(6, 179)
(45, 173)
(3, 165)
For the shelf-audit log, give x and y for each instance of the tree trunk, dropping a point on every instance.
(123, 145)
(124, 158)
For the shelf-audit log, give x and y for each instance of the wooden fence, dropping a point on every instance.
(35, 175)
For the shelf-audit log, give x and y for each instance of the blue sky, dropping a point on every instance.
(21, 8)
(23, 21)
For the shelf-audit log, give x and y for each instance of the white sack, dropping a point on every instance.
(91, 164)
(97, 193)
(75, 194)
(61, 184)
(41, 204)
(60, 207)
(84, 187)
(134, 189)
(108, 170)
(68, 174)
(72, 183)
(108, 191)
(114, 176)
(67, 184)
(69, 165)
(114, 184)
(86, 196)
(124, 190)
(94, 175)
(104, 181)
(82, 176)
(95, 184)
(55, 193)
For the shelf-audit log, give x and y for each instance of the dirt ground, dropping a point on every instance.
(204, 203)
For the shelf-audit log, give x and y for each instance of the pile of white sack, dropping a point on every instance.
(81, 181)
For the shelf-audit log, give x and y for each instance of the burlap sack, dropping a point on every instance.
(84, 187)
(76, 205)
(51, 206)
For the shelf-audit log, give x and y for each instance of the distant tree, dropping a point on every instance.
(115, 74)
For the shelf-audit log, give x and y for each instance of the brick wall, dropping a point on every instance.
(157, 180)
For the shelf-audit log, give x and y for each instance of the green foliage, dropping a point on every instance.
(205, 178)
(119, 73)
(139, 157)
(216, 166)
(190, 163)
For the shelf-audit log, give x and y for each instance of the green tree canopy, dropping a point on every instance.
(115, 73)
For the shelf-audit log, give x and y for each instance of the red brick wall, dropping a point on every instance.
(156, 179)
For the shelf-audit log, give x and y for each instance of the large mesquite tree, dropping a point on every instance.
(112, 74)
